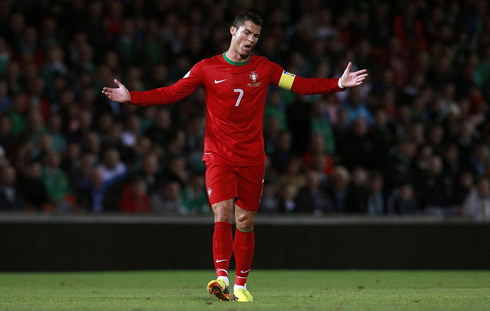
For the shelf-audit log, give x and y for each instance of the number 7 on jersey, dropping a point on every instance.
(239, 96)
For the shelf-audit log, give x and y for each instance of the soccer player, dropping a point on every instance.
(235, 88)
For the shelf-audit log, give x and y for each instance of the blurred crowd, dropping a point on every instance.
(414, 139)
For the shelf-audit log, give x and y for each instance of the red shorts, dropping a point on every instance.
(244, 183)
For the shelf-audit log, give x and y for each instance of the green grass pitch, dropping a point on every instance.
(272, 290)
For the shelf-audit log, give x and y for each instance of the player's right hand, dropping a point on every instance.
(119, 94)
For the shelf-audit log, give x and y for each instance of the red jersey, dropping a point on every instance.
(235, 96)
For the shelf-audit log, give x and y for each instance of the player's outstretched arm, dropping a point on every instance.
(350, 79)
(119, 94)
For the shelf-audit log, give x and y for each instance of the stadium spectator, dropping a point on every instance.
(7, 138)
(112, 168)
(376, 199)
(319, 165)
(320, 124)
(435, 187)
(359, 181)
(55, 179)
(194, 159)
(478, 159)
(177, 145)
(33, 188)
(294, 178)
(91, 143)
(54, 130)
(402, 201)
(477, 204)
(176, 170)
(451, 160)
(80, 174)
(397, 169)
(269, 202)
(282, 154)
(92, 196)
(71, 157)
(194, 198)
(3, 157)
(112, 138)
(132, 131)
(11, 198)
(356, 108)
(149, 170)
(312, 199)
(159, 131)
(461, 188)
(133, 156)
(287, 195)
(5, 58)
(168, 200)
(5, 99)
(359, 147)
(272, 130)
(134, 197)
(316, 151)
(276, 107)
(342, 193)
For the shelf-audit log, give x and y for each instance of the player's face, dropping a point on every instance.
(245, 38)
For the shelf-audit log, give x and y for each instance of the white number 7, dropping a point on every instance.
(239, 96)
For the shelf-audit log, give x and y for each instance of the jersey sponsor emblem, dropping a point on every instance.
(219, 81)
(210, 191)
(254, 76)
(246, 271)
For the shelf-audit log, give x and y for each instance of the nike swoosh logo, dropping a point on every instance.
(219, 81)
(241, 271)
(221, 260)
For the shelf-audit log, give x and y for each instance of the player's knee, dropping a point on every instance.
(222, 213)
(245, 222)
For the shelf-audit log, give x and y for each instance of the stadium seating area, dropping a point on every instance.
(413, 139)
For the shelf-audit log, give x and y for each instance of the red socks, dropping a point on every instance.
(222, 247)
(244, 255)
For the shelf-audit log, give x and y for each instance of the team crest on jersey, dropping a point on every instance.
(254, 76)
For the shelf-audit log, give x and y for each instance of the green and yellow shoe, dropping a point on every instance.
(243, 295)
(219, 289)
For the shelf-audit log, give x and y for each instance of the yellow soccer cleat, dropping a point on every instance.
(243, 295)
(219, 289)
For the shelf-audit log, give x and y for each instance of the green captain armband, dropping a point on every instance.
(286, 81)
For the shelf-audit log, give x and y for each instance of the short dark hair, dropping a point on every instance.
(247, 16)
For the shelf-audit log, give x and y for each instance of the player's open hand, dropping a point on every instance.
(119, 94)
(350, 79)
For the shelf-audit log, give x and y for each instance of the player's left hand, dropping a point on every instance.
(350, 79)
